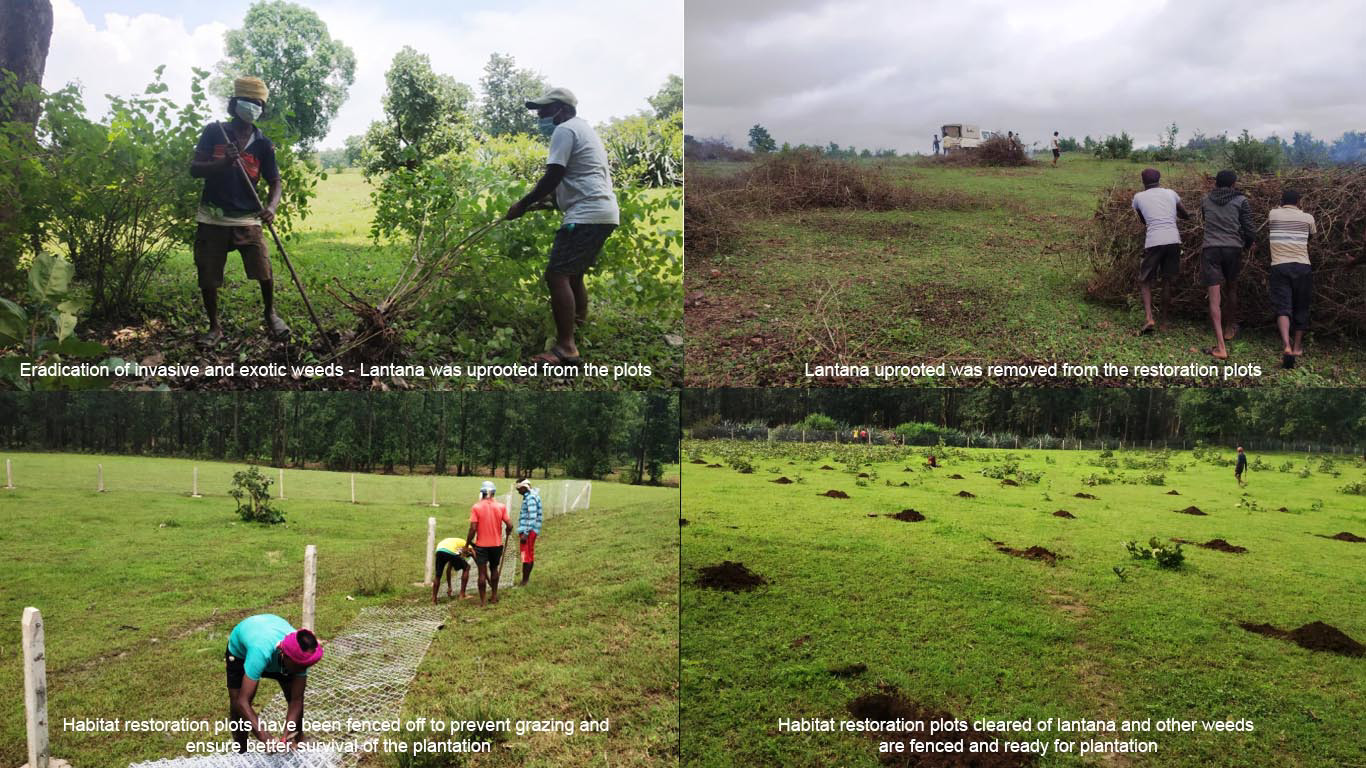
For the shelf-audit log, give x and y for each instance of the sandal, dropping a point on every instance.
(1148, 329)
(554, 356)
(1211, 352)
(276, 328)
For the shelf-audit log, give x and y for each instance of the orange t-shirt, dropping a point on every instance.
(488, 516)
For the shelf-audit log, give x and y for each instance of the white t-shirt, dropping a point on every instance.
(1054, 143)
(585, 196)
(1158, 206)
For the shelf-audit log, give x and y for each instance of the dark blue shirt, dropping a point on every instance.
(227, 189)
(1242, 462)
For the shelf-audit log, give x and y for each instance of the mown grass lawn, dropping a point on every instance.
(1003, 282)
(140, 586)
(935, 610)
(333, 246)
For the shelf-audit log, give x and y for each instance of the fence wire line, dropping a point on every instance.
(364, 676)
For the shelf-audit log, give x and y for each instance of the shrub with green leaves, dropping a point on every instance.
(43, 329)
(1165, 554)
(251, 489)
(1355, 489)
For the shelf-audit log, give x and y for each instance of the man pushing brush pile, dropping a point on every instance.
(231, 157)
(266, 646)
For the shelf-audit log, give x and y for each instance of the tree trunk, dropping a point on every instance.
(277, 446)
(440, 464)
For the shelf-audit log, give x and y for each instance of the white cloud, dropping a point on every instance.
(612, 53)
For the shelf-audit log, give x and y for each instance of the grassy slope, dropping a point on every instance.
(334, 242)
(932, 608)
(1004, 283)
(137, 614)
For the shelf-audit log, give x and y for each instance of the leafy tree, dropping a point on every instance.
(251, 490)
(1350, 147)
(1247, 154)
(505, 90)
(425, 115)
(354, 149)
(288, 46)
(761, 142)
(1306, 150)
(669, 98)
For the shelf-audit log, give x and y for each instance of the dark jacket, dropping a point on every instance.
(1228, 219)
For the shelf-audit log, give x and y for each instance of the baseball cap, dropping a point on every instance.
(562, 95)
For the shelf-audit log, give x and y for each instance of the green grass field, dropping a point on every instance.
(140, 586)
(1002, 283)
(334, 243)
(935, 610)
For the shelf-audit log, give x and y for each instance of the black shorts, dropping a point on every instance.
(1056, 153)
(1220, 264)
(490, 556)
(237, 671)
(576, 248)
(443, 559)
(1160, 261)
(1292, 289)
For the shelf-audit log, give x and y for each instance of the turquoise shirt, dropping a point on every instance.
(254, 641)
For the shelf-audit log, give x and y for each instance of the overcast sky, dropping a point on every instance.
(889, 73)
(612, 53)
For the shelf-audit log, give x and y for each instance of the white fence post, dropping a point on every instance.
(431, 551)
(194, 485)
(434, 504)
(588, 502)
(282, 487)
(353, 487)
(35, 689)
(310, 585)
(564, 500)
(9, 476)
(100, 475)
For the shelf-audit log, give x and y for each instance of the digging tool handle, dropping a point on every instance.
(279, 245)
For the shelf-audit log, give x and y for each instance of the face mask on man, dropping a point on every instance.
(248, 112)
(546, 126)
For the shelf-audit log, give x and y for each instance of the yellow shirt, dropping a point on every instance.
(452, 545)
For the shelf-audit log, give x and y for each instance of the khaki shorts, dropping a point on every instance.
(212, 244)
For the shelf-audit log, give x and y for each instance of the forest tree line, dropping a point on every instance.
(1336, 416)
(582, 434)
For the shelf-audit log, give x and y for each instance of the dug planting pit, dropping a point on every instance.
(833, 494)
(908, 516)
(888, 704)
(1191, 510)
(1314, 636)
(826, 466)
(782, 481)
(1344, 536)
(966, 495)
(1083, 496)
(1223, 546)
(729, 576)
(1065, 513)
(1173, 492)
(1033, 553)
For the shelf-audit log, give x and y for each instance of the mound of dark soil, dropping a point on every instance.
(729, 576)
(1173, 492)
(1033, 553)
(827, 466)
(782, 481)
(1008, 481)
(863, 474)
(849, 670)
(835, 494)
(966, 495)
(1314, 636)
(1223, 546)
(904, 484)
(1191, 510)
(698, 461)
(713, 466)
(1282, 509)
(1065, 513)
(1084, 496)
(889, 704)
(1344, 536)
(908, 516)
(682, 521)
(955, 477)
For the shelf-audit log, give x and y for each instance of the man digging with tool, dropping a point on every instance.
(263, 646)
(450, 557)
(528, 526)
(487, 535)
(229, 214)
(576, 171)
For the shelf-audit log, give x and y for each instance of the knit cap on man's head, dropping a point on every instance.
(250, 88)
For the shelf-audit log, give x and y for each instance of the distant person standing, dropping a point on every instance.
(1240, 467)
(1158, 208)
(1291, 281)
(936, 143)
(1057, 148)
(488, 523)
(1229, 231)
(528, 526)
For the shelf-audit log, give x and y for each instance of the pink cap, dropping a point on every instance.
(290, 647)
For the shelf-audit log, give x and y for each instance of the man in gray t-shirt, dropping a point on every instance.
(577, 172)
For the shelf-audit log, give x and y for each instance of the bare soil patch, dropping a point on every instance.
(834, 494)
(729, 576)
(1191, 510)
(1032, 553)
(1065, 513)
(888, 704)
(1314, 636)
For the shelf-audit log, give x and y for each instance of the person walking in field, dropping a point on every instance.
(577, 173)
(1229, 232)
(228, 217)
(936, 143)
(528, 526)
(266, 646)
(1158, 208)
(1240, 466)
(1291, 279)
(450, 557)
(488, 524)
(1057, 148)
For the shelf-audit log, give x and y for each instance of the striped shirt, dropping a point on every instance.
(1289, 229)
(530, 519)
